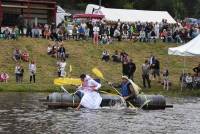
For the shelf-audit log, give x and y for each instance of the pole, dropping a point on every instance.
(184, 65)
(99, 3)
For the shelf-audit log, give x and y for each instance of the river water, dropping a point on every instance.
(22, 113)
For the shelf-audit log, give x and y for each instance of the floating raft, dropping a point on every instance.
(64, 100)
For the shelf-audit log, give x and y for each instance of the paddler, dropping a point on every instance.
(128, 89)
(90, 98)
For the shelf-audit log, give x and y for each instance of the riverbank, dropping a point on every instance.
(83, 57)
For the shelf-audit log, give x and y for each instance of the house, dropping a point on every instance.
(33, 11)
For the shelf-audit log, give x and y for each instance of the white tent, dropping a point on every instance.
(60, 15)
(126, 15)
(192, 48)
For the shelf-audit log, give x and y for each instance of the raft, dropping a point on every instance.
(65, 100)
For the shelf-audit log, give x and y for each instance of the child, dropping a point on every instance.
(166, 79)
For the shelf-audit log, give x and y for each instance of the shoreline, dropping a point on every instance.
(33, 88)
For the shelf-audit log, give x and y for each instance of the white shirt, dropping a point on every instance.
(96, 30)
(32, 68)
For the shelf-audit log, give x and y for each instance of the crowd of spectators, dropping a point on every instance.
(105, 32)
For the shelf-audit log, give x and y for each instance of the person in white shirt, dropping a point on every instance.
(96, 34)
(32, 71)
(17, 72)
(91, 99)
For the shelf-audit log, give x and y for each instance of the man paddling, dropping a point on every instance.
(91, 99)
(128, 89)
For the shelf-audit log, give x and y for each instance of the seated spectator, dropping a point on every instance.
(49, 49)
(60, 35)
(153, 36)
(104, 39)
(124, 57)
(16, 55)
(4, 77)
(61, 52)
(105, 56)
(163, 35)
(189, 80)
(116, 57)
(25, 56)
(6, 33)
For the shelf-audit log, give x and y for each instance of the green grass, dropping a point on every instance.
(83, 57)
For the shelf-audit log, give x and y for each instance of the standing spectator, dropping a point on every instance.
(32, 71)
(145, 74)
(17, 72)
(156, 72)
(21, 24)
(166, 79)
(29, 30)
(132, 69)
(96, 34)
(125, 68)
(21, 74)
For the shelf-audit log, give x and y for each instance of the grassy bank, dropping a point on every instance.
(83, 57)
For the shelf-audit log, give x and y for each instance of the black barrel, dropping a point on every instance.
(155, 102)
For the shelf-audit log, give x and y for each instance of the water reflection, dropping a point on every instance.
(23, 113)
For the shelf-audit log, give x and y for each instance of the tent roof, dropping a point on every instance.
(192, 48)
(91, 16)
(126, 15)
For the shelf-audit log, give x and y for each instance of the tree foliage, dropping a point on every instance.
(177, 8)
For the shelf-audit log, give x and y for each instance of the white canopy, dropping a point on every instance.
(60, 15)
(126, 15)
(192, 48)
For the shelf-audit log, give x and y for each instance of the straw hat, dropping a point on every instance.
(125, 77)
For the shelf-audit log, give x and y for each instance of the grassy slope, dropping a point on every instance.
(83, 57)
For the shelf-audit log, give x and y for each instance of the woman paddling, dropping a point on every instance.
(91, 99)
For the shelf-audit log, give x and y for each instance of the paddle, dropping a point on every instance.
(99, 74)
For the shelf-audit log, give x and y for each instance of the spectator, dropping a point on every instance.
(17, 72)
(49, 49)
(13, 34)
(156, 72)
(125, 68)
(117, 34)
(96, 34)
(105, 56)
(17, 55)
(61, 68)
(142, 36)
(4, 77)
(21, 74)
(25, 56)
(166, 79)
(81, 32)
(116, 57)
(6, 33)
(145, 74)
(61, 51)
(32, 71)
(189, 80)
(132, 69)
(197, 69)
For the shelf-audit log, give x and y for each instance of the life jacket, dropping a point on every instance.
(125, 90)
